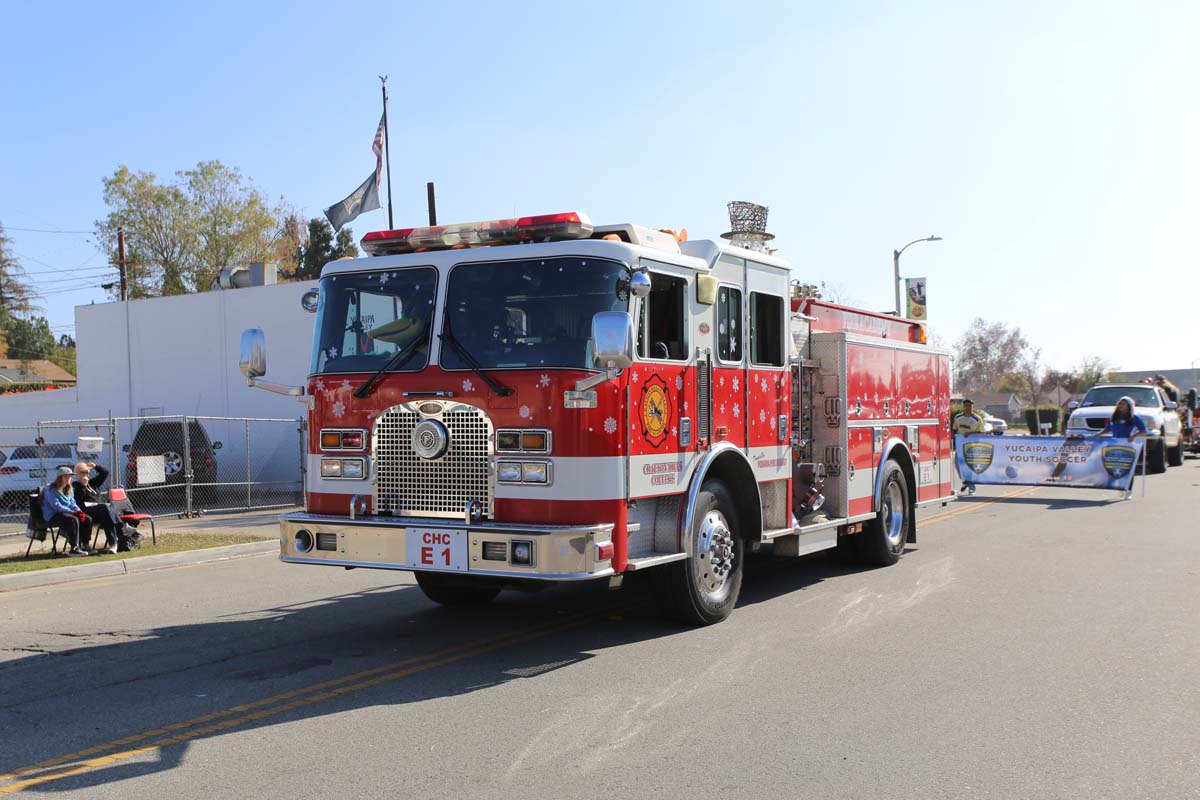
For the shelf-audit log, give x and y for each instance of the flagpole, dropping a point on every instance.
(387, 136)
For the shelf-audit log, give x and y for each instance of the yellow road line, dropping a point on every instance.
(387, 672)
(958, 512)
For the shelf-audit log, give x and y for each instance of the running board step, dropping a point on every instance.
(634, 564)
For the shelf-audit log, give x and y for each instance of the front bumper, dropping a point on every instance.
(561, 553)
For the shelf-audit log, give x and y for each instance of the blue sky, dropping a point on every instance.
(1052, 144)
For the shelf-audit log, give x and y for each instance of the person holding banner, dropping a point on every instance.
(967, 424)
(1124, 424)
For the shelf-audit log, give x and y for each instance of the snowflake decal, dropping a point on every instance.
(610, 426)
(468, 386)
(679, 382)
(332, 352)
(722, 408)
(685, 406)
(721, 382)
(383, 279)
(544, 382)
(339, 409)
(772, 423)
(524, 412)
(320, 384)
(634, 376)
(674, 431)
(737, 411)
(735, 384)
(346, 383)
(762, 416)
(766, 386)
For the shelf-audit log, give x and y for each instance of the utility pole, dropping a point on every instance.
(121, 263)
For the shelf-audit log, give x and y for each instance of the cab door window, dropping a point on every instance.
(766, 330)
(662, 322)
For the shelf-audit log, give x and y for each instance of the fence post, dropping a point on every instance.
(114, 477)
(187, 467)
(246, 423)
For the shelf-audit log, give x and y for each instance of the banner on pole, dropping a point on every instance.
(1084, 462)
(915, 289)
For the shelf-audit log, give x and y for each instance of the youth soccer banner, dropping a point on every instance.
(1088, 463)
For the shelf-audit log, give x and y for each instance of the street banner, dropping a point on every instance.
(1085, 462)
(915, 289)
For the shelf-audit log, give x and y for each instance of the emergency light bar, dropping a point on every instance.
(544, 228)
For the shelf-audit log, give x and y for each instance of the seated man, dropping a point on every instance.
(60, 511)
(87, 497)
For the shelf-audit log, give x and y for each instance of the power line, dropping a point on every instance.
(43, 230)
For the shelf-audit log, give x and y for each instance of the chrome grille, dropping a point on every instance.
(408, 485)
(1097, 422)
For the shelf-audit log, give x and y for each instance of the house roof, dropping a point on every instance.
(38, 370)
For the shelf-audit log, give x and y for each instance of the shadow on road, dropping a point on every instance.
(154, 691)
(1103, 497)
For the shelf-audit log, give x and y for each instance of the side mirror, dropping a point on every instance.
(310, 300)
(1170, 405)
(216, 445)
(1071, 406)
(1192, 399)
(612, 338)
(253, 361)
(639, 283)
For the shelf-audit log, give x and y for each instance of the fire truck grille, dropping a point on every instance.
(408, 485)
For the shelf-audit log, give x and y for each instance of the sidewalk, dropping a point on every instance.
(259, 523)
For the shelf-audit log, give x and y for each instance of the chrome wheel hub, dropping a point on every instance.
(715, 555)
(893, 515)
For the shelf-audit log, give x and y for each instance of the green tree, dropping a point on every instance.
(16, 295)
(29, 339)
(1093, 370)
(321, 246)
(180, 235)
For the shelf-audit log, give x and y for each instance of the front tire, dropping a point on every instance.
(1156, 456)
(703, 589)
(446, 592)
(882, 540)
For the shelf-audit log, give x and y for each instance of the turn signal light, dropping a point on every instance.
(604, 551)
(534, 442)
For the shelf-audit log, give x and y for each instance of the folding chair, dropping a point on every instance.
(119, 501)
(37, 528)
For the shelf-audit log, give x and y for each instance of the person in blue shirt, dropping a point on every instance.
(1124, 424)
(60, 510)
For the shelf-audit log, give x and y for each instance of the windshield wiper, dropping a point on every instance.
(447, 336)
(398, 360)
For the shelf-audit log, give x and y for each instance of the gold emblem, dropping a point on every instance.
(656, 411)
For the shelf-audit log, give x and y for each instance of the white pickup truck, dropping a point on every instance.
(1164, 428)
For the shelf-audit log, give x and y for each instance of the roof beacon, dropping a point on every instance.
(544, 228)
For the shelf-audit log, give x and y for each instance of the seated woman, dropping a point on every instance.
(87, 497)
(60, 511)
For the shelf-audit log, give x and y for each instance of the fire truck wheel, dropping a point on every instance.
(703, 589)
(1175, 455)
(882, 539)
(440, 589)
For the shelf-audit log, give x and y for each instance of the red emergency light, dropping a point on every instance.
(543, 228)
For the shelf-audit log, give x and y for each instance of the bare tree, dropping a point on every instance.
(986, 353)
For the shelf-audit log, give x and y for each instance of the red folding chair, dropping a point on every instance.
(119, 501)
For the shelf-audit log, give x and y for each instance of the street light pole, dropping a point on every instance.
(896, 265)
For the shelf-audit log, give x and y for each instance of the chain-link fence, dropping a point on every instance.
(170, 465)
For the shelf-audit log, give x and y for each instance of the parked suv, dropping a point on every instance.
(1163, 427)
(165, 438)
(26, 468)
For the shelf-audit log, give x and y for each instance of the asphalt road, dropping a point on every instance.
(1040, 645)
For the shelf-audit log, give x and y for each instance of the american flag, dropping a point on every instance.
(377, 145)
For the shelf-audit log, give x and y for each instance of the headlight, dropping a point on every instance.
(509, 472)
(535, 472)
(353, 468)
(1076, 422)
(331, 468)
(523, 471)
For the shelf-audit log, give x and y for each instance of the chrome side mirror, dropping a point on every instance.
(309, 301)
(1171, 405)
(253, 361)
(639, 283)
(1071, 406)
(612, 338)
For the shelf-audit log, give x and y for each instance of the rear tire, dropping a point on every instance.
(1156, 456)
(443, 590)
(703, 589)
(1175, 455)
(882, 539)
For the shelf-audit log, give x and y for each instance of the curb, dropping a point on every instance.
(127, 566)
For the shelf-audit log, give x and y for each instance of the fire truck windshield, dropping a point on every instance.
(366, 318)
(530, 313)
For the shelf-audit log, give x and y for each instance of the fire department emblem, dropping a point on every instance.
(656, 411)
(978, 456)
(1118, 459)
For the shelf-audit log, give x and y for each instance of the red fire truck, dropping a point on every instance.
(497, 404)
